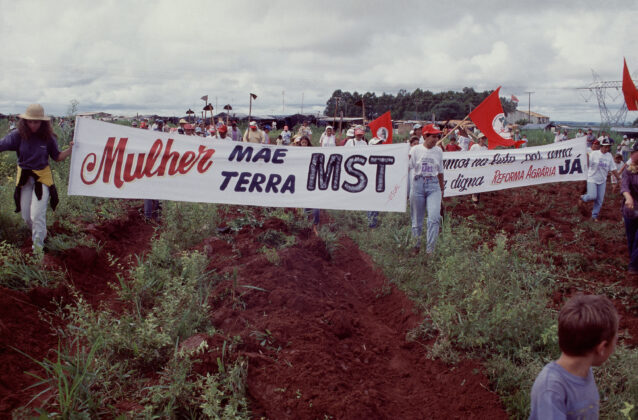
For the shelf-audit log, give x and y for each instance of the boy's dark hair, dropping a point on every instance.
(584, 322)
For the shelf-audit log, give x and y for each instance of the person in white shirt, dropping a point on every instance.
(328, 138)
(625, 147)
(426, 164)
(600, 164)
(524, 140)
(620, 167)
(477, 147)
(481, 145)
(285, 136)
(464, 140)
(358, 139)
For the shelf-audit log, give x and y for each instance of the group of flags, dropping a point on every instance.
(490, 118)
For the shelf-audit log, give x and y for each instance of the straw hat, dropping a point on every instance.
(35, 112)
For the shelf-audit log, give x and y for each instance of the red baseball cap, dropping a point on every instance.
(223, 129)
(430, 129)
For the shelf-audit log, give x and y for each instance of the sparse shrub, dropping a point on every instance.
(276, 239)
(22, 271)
(271, 255)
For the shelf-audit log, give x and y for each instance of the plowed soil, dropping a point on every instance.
(325, 335)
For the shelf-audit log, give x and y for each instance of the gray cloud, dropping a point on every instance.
(148, 57)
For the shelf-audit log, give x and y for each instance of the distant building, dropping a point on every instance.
(532, 117)
(96, 115)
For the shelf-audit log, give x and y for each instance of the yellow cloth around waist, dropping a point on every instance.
(44, 176)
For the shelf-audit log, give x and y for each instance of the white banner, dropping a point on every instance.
(490, 170)
(111, 160)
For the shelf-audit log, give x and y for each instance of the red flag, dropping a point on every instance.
(490, 119)
(514, 98)
(629, 89)
(382, 128)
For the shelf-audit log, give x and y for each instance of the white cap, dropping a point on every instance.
(625, 136)
(253, 124)
(350, 132)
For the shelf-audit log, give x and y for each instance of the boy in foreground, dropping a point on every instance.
(587, 335)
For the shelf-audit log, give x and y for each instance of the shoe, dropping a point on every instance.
(415, 251)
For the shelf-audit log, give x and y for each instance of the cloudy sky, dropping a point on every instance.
(131, 57)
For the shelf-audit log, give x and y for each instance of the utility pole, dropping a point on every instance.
(529, 106)
(283, 101)
(301, 103)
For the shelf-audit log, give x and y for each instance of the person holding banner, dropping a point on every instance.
(153, 208)
(304, 141)
(34, 142)
(477, 147)
(600, 164)
(426, 163)
(629, 190)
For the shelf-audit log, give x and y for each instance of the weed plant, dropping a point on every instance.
(490, 301)
(20, 271)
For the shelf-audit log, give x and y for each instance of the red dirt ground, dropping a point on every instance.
(336, 339)
(26, 319)
(327, 339)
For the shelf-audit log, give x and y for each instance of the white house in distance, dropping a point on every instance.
(532, 117)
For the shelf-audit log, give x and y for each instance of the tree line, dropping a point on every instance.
(417, 105)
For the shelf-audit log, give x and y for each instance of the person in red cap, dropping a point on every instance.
(426, 164)
(358, 139)
(221, 133)
(253, 134)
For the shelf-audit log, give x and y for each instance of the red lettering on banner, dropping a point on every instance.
(113, 160)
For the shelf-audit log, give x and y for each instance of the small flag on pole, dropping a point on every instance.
(204, 98)
(490, 119)
(252, 95)
(514, 98)
(382, 128)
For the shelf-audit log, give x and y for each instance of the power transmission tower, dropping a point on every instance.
(607, 91)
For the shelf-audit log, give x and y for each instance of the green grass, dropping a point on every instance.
(488, 301)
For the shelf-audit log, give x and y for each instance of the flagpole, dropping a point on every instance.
(452, 130)
(250, 107)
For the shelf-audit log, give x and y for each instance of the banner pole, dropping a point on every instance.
(452, 130)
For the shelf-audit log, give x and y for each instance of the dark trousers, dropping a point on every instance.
(631, 230)
(152, 209)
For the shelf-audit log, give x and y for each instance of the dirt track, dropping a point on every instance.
(327, 337)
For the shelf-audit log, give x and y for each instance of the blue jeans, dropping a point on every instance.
(631, 230)
(315, 215)
(372, 219)
(152, 209)
(595, 192)
(426, 195)
(625, 156)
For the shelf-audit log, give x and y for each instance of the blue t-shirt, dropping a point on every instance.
(557, 394)
(33, 153)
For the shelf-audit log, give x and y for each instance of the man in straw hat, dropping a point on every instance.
(34, 142)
